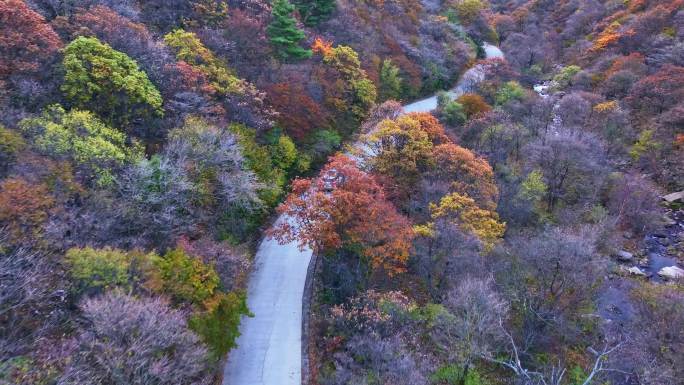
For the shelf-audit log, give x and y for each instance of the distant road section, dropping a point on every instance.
(468, 79)
(269, 351)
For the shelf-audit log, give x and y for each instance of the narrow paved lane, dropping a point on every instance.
(269, 349)
(468, 79)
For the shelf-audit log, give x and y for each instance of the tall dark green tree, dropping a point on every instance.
(314, 12)
(284, 34)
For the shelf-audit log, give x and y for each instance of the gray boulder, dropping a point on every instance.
(671, 272)
(674, 197)
(624, 256)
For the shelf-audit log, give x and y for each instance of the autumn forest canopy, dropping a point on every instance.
(528, 230)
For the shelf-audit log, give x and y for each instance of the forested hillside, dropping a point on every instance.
(517, 234)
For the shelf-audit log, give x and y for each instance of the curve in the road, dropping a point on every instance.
(269, 350)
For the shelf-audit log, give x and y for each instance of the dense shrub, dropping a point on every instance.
(185, 278)
(218, 324)
(101, 79)
(97, 150)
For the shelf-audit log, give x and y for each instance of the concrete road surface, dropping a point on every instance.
(269, 349)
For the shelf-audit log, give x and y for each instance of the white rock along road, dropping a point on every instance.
(269, 350)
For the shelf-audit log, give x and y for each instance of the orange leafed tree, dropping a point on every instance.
(346, 207)
(473, 105)
(428, 123)
(469, 173)
(608, 37)
(24, 207)
(322, 47)
(679, 140)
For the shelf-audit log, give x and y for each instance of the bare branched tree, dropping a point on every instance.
(135, 341)
(554, 374)
(470, 329)
(28, 298)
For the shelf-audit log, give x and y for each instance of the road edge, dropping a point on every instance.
(306, 315)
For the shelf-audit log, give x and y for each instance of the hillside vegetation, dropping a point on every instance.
(515, 235)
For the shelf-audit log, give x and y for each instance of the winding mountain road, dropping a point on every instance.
(269, 350)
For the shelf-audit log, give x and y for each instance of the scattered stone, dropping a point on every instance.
(624, 256)
(674, 197)
(671, 272)
(667, 221)
(636, 271)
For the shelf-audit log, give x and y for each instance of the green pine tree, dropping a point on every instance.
(284, 34)
(314, 12)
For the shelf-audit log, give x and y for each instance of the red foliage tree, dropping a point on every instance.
(346, 207)
(634, 63)
(121, 33)
(26, 40)
(299, 114)
(657, 93)
(191, 78)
